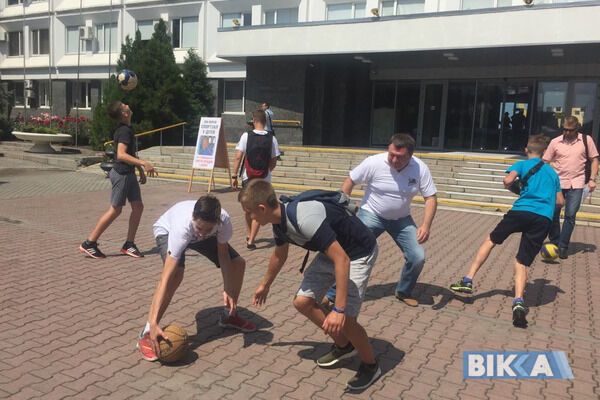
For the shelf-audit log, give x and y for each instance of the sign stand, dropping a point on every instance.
(211, 151)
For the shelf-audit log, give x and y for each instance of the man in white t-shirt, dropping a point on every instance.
(259, 156)
(391, 181)
(206, 228)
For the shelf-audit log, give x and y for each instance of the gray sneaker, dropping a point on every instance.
(336, 355)
(365, 376)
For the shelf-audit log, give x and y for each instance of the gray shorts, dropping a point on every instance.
(208, 248)
(124, 187)
(320, 275)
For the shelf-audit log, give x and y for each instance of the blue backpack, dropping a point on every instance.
(336, 198)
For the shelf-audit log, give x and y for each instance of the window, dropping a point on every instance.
(146, 28)
(184, 32)
(404, 7)
(477, 4)
(107, 37)
(345, 11)
(282, 16)
(234, 96)
(40, 41)
(245, 19)
(74, 44)
(15, 43)
(15, 2)
(18, 92)
(81, 94)
(42, 90)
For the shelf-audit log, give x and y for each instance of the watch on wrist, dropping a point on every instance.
(338, 310)
(233, 176)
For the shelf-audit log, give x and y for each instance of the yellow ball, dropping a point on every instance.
(549, 252)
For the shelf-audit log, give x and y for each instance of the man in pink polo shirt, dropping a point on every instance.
(567, 154)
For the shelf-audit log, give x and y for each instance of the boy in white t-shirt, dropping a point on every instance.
(206, 228)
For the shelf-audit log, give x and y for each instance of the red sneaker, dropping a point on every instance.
(237, 322)
(144, 345)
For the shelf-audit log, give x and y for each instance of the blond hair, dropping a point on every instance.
(258, 192)
(538, 143)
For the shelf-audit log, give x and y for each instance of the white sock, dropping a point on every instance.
(146, 328)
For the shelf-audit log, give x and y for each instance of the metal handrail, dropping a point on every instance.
(145, 133)
(287, 122)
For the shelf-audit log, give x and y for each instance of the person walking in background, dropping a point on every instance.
(574, 156)
(259, 150)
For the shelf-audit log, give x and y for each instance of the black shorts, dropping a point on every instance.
(208, 248)
(534, 229)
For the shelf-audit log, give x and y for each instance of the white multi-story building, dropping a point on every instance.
(456, 74)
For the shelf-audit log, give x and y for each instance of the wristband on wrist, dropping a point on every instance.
(338, 310)
(233, 176)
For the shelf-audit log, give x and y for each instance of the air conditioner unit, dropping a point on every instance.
(3, 35)
(86, 32)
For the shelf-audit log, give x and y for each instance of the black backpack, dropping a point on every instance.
(258, 155)
(336, 198)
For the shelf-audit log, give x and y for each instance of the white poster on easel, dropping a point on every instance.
(206, 144)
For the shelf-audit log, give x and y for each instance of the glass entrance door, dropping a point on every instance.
(583, 105)
(431, 116)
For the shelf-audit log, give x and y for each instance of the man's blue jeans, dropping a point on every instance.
(562, 237)
(404, 233)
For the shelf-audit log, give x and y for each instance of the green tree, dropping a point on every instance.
(6, 105)
(162, 97)
(196, 82)
(102, 125)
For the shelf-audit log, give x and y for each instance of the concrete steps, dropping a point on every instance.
(463, 180)
(66, 157)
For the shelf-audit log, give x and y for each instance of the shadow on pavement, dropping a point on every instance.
(385, 352)
(578, 247)
(208, 329)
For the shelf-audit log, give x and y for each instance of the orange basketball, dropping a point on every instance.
(175, 346)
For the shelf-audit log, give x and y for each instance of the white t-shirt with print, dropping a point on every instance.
(388, 193)
(177, 223)
(241, 146)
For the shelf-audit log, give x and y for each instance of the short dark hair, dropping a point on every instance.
(208, 208)
(538, 143)
(259, 116)
(114, 110)
(403, 141)
(266, 104)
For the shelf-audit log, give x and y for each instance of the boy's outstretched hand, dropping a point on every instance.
(260, 295)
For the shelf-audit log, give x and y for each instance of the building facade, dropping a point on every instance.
(476, 75)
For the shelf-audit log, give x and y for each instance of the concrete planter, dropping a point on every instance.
(41, 141)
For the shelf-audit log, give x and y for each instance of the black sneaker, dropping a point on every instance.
(91, 249)
(519, 313)
(336, 355)
(365, 376)
(130, 249)
(462, 287)
(562, 253)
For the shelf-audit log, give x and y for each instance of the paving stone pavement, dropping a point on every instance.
(68, 324)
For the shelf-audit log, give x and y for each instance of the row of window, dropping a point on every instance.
(37, 94)
(184, 34)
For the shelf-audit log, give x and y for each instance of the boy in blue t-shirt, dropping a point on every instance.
(531, 214)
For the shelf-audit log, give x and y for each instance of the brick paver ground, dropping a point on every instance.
(68, 324)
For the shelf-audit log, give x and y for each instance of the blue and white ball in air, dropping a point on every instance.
(127, 80)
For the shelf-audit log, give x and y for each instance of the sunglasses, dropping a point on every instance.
(569, 129)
